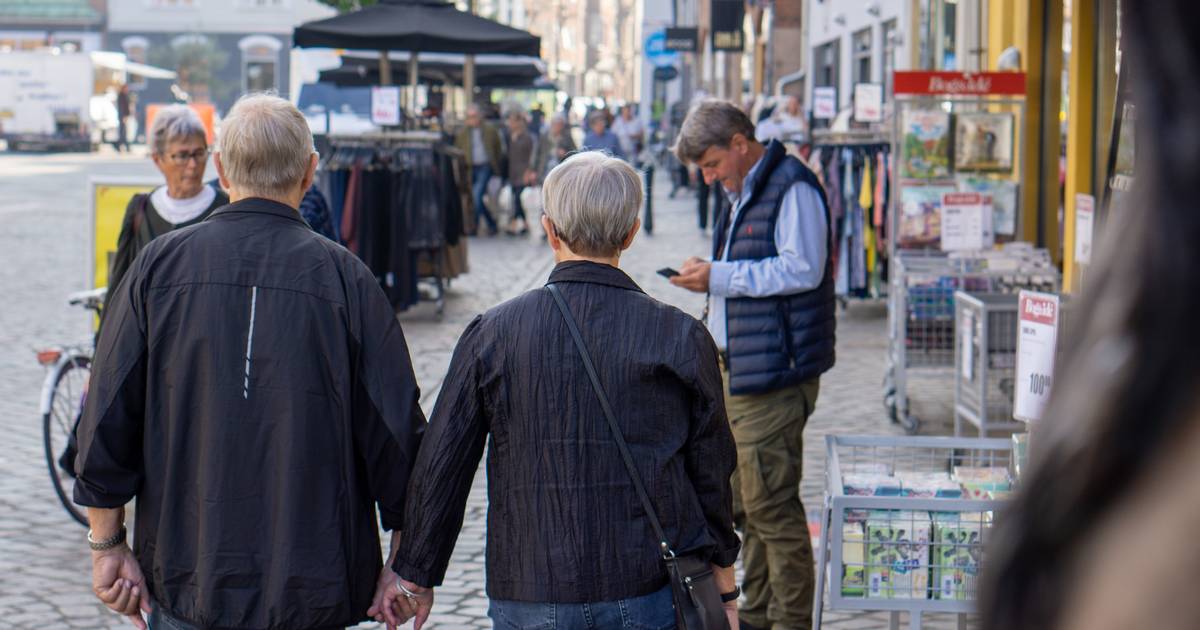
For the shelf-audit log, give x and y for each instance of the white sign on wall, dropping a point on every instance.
(385, 105)
(1037, 340)
(824, 103)
(868, 102)
(966, 222)
(1085, 213)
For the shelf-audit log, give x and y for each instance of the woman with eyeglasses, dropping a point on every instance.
(179, 148)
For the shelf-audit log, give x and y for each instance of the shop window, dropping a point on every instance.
(891, 40)
(260, 63)
(827, 72)
(861, 50)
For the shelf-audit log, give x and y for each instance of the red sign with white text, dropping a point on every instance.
(1038, 309)
(960, 83)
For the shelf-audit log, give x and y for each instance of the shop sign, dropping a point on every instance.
(385, 105)
(868, 102)
(1037, 340)
(966, 222)
(1085, 212)
(824, 103)
(728, 17)
(685, 39)
(959, 83)
(666, 73)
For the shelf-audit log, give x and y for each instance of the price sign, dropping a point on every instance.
(868, 102)
(824, 103)
(1085, 212)
(385, 105)
(1037, 340)
(966, 222)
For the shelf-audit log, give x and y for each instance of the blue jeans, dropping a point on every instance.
(480, 175)
(655, 611)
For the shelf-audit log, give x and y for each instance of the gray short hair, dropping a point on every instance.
(265, 145)
(593, 200)
(172, 123)
(711, 123)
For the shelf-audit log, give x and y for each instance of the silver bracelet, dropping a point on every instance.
(407, 593)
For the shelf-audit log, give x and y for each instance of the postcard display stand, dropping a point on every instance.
(958, 145)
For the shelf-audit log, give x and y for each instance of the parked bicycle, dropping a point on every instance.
(64, 389)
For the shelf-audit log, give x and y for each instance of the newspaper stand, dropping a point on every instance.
(956, 529)
(921, 316)
(953, 132)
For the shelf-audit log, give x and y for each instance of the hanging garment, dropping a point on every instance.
(349, 229)
(865, 189)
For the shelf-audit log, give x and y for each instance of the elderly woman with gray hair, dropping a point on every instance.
(179, 148)
(570, 542)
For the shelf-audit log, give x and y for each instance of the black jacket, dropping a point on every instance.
(253, 390)
(564, 522)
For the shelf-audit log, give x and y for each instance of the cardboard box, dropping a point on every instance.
(897, 554)
(957, 551)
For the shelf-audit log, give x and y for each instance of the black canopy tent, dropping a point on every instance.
(415, 26)
(491, 72)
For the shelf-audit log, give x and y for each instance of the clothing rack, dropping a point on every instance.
(399, 197)
(846, 161)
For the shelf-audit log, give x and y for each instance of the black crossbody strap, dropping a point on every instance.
(612, 420)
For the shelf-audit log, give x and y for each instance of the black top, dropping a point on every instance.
(142, 224)
(564, 521)
(253, 389)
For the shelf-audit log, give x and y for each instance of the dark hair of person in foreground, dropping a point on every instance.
(1103, 530)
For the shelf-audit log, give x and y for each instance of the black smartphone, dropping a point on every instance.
(667, 272)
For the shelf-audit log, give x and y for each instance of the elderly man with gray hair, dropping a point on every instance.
(567, 539)
(772, 313)
(253, 390)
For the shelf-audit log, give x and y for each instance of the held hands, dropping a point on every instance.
(393, 606)
(117, 581)
(693, 275)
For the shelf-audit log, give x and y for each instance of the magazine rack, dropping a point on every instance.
(953, 132)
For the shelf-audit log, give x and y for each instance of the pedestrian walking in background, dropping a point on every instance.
(1101, 533)
(253, 390)
(179, 148)
(771, 311)
(124, 111)
(568, 544)
(521, 173)
(600, 138)
(480, 142)
(553, 146)
(630, 133)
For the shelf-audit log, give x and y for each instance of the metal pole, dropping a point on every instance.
(469, 69)
(412, 79)
(385, 68)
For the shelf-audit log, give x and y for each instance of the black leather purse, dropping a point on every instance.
(694, 589)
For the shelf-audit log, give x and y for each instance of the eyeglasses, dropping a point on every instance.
(181, 159)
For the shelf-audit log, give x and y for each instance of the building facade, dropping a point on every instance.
(850, 44)
(71, 24)
(220, 48)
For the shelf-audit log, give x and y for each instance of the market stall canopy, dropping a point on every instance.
(425, 26)
(490, 70)
(120, 63)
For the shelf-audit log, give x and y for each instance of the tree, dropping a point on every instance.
(344, 6)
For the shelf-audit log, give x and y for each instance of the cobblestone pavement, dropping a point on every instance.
(44, 565)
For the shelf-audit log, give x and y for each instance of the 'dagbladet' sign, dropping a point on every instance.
(960, 83)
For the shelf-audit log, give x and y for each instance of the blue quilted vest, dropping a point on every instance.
(778, 341)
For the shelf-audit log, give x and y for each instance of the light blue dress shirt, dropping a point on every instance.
(800, 239)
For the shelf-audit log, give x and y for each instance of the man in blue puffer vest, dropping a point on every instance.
(771, 311)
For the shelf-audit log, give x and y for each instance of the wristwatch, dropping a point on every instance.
(108, 543)
(731, 595)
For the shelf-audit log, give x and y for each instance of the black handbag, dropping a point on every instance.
(694, 589)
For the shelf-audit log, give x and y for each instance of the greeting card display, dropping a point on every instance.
(983, 142)
(926, 137)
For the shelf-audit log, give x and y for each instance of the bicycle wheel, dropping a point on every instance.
(66, 403)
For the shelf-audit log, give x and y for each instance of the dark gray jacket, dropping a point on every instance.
(253, 390)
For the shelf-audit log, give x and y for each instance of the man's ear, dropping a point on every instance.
(220, 171)
(739, 143)
(551, 234)
(310, 173)
(637, 225)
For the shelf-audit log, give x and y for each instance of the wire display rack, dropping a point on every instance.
(893, 537)
(921, 316)
(985, 352)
